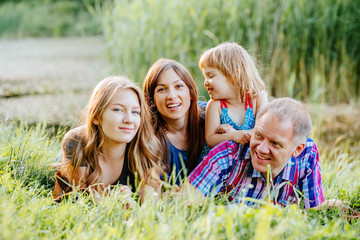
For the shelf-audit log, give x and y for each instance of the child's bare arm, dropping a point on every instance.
(216, 133)
(260, 102)
(212, 135)
(242, 136)
(239, 136)
(224, 128)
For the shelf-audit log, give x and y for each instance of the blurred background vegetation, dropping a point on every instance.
(309, 50)
(48, 18)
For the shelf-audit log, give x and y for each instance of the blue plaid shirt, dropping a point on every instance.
(228, 169)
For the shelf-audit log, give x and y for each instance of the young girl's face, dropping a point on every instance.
(217, 85)
(121, 118)
(172, 96)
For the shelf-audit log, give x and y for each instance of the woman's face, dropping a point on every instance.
(121, 118)
(172, 96)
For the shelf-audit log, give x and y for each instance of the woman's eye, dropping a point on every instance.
(160, 90)
(257, 135)
(179, 86)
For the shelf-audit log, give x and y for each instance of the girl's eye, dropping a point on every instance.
(137, 112)
(179, 86)
(118, 110)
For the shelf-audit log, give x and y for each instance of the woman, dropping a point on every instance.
(171, 95)
(115, 143)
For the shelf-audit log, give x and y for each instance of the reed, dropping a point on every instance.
(307, 50)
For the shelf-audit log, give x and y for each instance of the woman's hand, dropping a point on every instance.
(124, 194)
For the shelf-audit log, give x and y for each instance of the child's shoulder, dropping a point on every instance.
(214, 103)
(259, 101)
(213, 107)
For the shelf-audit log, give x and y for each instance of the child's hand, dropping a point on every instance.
(224, 128)
(242, 136)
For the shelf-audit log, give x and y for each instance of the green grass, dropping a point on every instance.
(307, 50)
(28, 212)
(46, 18)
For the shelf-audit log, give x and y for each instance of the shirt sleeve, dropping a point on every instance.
(202, 109)
(210, 176)
(311, 185)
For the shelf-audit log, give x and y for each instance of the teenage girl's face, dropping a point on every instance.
(217, 85)
(172, 96)
(121, 118)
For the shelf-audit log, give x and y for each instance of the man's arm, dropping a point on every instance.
(212, 173)
(311, 185)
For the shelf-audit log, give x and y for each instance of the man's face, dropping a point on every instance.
(272, 143)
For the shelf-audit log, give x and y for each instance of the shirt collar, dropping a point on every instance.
(252, 172)
(288, 172)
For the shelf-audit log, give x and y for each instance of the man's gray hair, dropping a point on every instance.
(290, 109)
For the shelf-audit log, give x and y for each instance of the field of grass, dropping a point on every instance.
(308, 50)
(28, 212)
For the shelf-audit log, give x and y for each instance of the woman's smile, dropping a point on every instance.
(173, 106)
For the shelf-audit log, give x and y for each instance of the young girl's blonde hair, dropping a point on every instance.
(235, 64)
(84, 146)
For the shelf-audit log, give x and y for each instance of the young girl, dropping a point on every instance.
(115, 143)
(236, 90)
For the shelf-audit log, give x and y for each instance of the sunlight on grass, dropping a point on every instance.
(27, 210)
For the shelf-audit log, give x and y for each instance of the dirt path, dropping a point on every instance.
(49, 79)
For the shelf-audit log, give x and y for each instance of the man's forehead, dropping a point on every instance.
(270, 116)
(269, 123)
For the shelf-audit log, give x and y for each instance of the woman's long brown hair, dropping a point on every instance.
(195, 128)
(82, 146)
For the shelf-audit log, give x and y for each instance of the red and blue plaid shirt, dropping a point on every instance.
(228, 169)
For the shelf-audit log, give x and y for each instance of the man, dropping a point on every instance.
(280, 153)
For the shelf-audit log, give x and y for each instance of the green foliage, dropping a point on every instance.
(28, 212)
(38, 18)
(309, 50)
(26, 154)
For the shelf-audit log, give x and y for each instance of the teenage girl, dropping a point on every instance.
(236, 90)
(115, 143)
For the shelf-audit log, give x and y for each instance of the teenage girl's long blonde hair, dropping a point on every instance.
(236, 64)
(84, 147)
